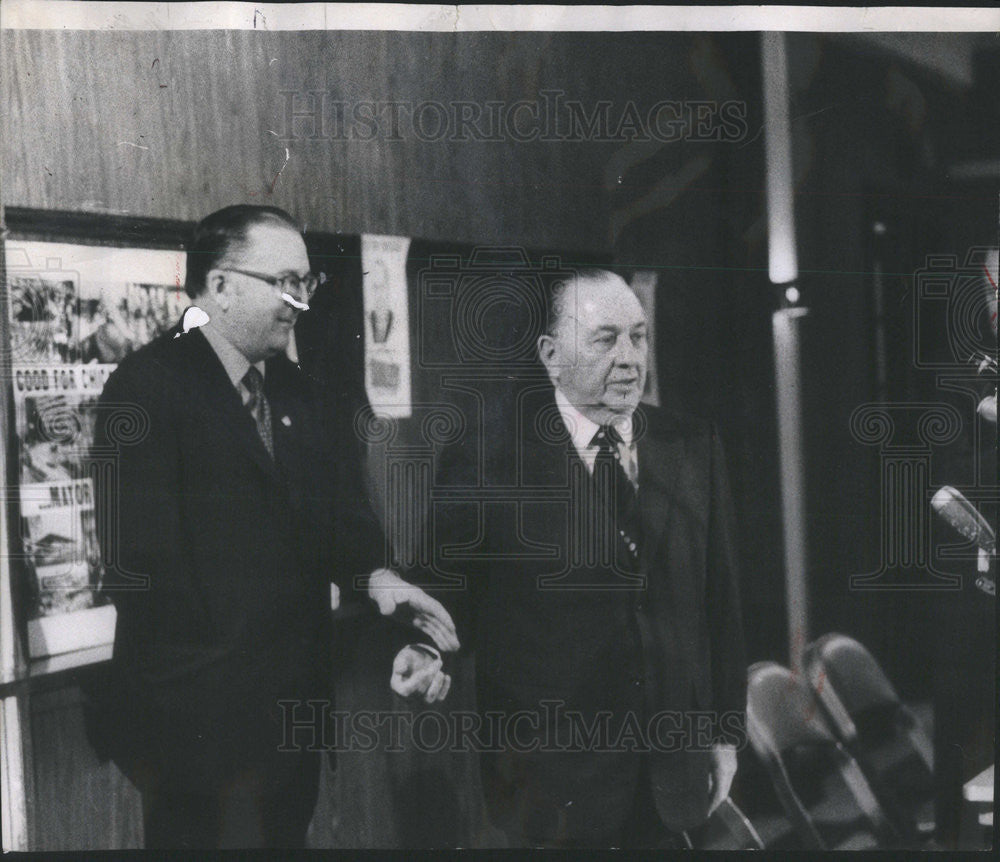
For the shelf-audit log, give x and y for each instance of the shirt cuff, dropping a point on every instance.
(427, 649)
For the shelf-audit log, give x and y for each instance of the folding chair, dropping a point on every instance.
(820, 785)
(727, 829)
(862, 707)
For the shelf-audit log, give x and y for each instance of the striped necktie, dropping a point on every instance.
(625, 509)
(259, 408)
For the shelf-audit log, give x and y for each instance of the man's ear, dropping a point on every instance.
(218, 287)
(547, 353)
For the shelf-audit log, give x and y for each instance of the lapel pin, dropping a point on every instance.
(286, 421)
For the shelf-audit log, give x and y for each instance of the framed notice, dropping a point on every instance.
(644, 283)
(387, 324)
(75, 310)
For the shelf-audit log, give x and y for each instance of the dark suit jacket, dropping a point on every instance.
(551, 617)
(218, 560)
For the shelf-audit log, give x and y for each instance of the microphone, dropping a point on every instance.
(988, 408)
(965, 518)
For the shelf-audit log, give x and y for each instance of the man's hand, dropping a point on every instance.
(395, 597)
(416, 671)
(721, 776)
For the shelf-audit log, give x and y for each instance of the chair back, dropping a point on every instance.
(727, 829)
(866, 713)
(820, 785)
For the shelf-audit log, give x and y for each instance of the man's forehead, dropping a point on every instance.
(604, 303)
(273, 243)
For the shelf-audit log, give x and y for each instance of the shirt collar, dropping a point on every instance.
(582, 429)
(233, 361)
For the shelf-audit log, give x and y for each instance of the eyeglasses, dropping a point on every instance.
(291, 283)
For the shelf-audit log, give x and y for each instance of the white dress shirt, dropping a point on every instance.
(582, 430)
(235, 363)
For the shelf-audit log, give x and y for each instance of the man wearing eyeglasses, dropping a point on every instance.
(227, 517)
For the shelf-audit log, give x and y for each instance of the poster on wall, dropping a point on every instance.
(644, 284)
(387, 324)
(75, 312)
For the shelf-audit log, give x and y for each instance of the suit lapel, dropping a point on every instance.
(289, 425)
(220, 400)
(549, 457)
(659, 459)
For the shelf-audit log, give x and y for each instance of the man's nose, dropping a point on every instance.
(627, 353)
(299, 291)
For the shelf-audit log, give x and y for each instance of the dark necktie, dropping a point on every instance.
(625, 503)
(259, 408)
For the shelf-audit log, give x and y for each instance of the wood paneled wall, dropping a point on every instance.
(78, 802)
(176, 124)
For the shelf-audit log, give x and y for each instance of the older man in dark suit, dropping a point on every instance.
(600, 593)
(222, 525)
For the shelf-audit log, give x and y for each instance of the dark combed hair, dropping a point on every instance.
(217, 233)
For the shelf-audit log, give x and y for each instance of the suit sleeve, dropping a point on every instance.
(332, 356)
(359, 544)
(138, 519)
(728, 659)
(146, 565)
(354, 543)
(454, 522)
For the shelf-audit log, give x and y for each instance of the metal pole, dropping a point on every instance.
(786, 326)
(783, 272)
